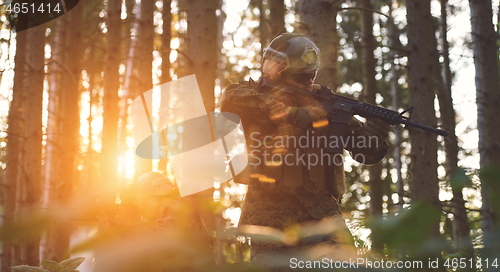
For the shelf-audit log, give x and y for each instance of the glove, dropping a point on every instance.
(279, 103)
(378, 128)
(278, 112)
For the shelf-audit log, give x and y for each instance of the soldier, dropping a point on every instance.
(168, 235)
(159, 202)
(292, 180)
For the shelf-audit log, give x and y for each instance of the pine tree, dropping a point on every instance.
(485, 49)
(369, 93)
(423, 68)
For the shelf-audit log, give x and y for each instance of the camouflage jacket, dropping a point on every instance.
(286, 139)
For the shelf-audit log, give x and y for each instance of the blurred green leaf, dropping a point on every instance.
(32, 226)
(27, 268)
(459, 179)
(68, 265)
(51, 265)
(71, 264)
(491, 176)
(411, 230)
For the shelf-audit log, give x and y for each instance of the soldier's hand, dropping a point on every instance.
(378, 128)
(278, 112)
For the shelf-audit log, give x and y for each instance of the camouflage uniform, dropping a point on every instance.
(187, 244)
(280, 195)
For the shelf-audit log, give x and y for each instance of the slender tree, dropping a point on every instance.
(461, 229)
(276, 17)
(127, 25)
(111, 84)
(201, 43)
(32, 187)
(165, 70)
(93, 63)
(129, 37)
(391, 29)
(423, 69)
(318, 21)
(54, 135)
(485, 49)
(369, 92)
(166, 37)
(14, 172)
(139, 76)
(143, 65)
(263, 26)
(64, 180)
(201, 53)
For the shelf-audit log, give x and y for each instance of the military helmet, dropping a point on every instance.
(296, 51)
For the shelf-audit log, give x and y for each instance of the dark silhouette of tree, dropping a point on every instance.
(485, 48)
(422, 78)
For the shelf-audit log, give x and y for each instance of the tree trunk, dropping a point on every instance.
(61, 193)
(92, 63)
(423, 68)
(202, 30)
(33, 136)
(54, 135)
(165, 72)
(461, 229)
(111, 84)
(128, 24)
(143, 65)
(488, 100)
(263, 27)
(127, 39)
(14, 172)
(395, 106)
(57, 71)
(368, 96)
(318, 21)
(166, 37)
(276, 17)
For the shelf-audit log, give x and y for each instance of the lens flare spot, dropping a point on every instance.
(320, 123)
(267, 180)
(277, 115)
(257, 176)
(273, 163)
(280, 151)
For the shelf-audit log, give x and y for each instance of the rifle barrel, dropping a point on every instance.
(426, 128)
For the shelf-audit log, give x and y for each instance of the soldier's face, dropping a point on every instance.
(272, 69)
(303, 80)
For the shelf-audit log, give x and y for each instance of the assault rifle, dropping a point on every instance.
(342, 108)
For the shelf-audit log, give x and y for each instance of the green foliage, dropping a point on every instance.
(411, 230)
(68, 265)
(459, 179)
(490, 176)
(27, 268)
(29, 226)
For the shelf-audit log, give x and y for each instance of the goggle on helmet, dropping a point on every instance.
(297, 52)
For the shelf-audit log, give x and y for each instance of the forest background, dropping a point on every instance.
(67, 155)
